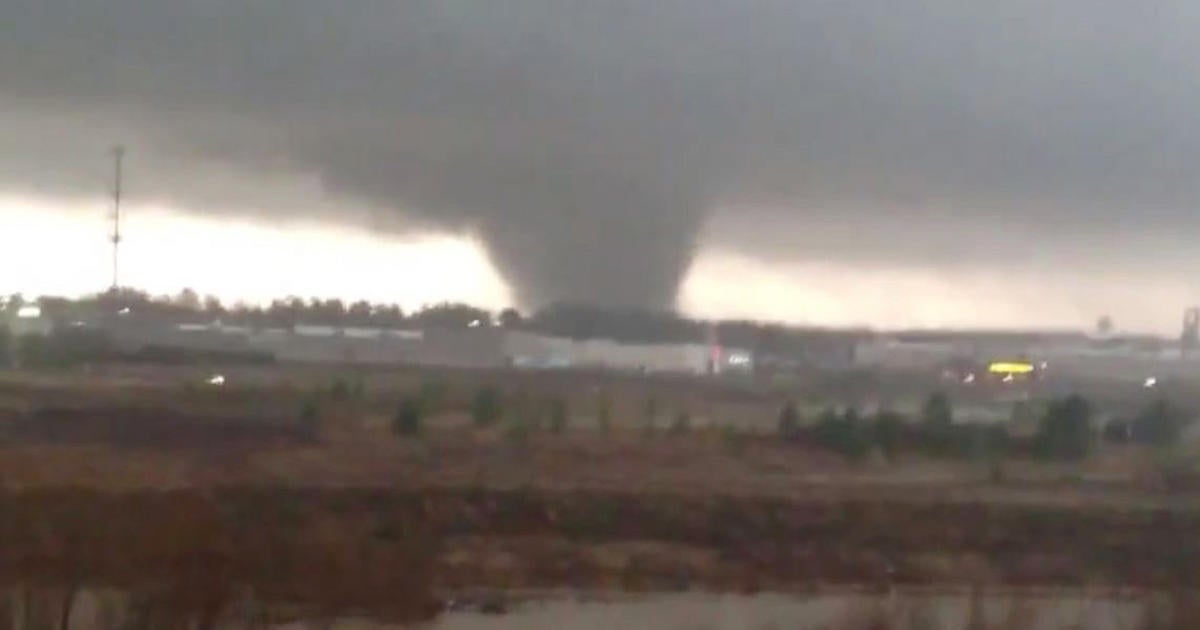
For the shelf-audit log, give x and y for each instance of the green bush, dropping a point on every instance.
(407, 421)
(486, 407)
(310, 418)
(940, 436)
(558, 415)
(789, 421)
(62, 348)
(844, 433)
(937, 425)
(1065, 432)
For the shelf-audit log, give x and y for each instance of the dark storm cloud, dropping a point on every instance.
(588, 142)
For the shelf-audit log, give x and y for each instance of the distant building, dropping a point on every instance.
(538, 351)
(474, 347)
(27, 320)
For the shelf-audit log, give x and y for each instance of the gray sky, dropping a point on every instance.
(594, 146)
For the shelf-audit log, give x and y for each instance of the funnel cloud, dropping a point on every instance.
(593, 146)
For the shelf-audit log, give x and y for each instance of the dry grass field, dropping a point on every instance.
(293, 484)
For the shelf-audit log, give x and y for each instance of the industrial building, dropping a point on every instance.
(1055, 354)
(481, 347)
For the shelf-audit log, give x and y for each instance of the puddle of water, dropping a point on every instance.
(100, 609)
(833, 612)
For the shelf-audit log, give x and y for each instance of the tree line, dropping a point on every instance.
(1066, 431)
(571, 320)
(187, 305)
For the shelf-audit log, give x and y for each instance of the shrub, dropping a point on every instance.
(682, 423)
(61, 348)
(1065, 432)
(310, 419)
(1159, 424)
(407, 421)
(888, 432)
(789, 421)
(6, 346)
(937, 412)
(34, 351)
(843, 433)
(558, 415)
(604, 411)
(340, 390)
(1118, 431)
(486, 407)
(829, 418)
(937, 425)
(733, 439)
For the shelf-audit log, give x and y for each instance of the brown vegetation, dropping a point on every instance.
(280, 541)
(191, 553)
(307, 499)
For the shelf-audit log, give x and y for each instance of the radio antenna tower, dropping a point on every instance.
(118, 154)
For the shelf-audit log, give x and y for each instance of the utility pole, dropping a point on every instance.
(118, 153)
